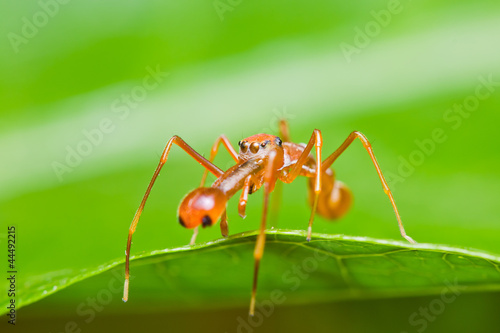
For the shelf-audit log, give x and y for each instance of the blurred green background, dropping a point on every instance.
(83, 122)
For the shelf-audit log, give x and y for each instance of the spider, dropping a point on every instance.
(263, 159)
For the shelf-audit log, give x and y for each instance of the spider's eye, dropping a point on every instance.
(278, 141)
(263, 144)
(243, 146)
(254, 147)
(239, 143)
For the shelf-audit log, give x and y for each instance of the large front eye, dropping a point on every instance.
(243, 146)
(254, 147)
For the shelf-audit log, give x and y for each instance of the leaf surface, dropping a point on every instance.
(330, 267)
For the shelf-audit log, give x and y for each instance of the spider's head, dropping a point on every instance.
(259, 146)
(203, 205)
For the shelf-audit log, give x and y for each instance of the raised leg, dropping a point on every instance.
(269, 179)
(200, 159)
(315, 140)
(284, 134)
(330, 159)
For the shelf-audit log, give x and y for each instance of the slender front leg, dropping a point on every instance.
(269, 179)
(191, 152)
(315, 140)
(330, 159)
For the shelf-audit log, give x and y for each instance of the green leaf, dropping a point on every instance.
(330, 267)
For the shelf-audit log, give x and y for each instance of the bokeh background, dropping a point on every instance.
(91, 91)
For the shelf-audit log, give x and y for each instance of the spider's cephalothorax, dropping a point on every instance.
(259, 146)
